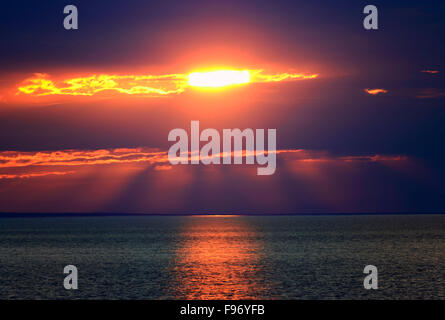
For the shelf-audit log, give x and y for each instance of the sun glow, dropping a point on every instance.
(220, 78)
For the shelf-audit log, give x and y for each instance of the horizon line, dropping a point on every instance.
(123, 214)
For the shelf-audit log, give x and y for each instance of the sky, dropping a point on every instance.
(85, 114)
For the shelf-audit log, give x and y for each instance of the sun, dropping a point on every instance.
(219, 78)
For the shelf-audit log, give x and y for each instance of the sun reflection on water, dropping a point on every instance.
(219, 259)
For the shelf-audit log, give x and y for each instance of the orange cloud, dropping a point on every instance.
(163, 168)
(430, 71)
(430, 93)
(375, 91)
(15, 159)
(17, 164)
(33, 175)
(323, 156)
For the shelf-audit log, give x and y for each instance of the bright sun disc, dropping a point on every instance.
(221, 78)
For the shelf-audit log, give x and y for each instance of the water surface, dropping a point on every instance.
(234, 257)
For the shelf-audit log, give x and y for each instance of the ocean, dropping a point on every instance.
(223, 257)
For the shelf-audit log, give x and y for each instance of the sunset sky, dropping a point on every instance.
(85, 114)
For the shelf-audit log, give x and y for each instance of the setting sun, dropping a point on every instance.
(220, 78)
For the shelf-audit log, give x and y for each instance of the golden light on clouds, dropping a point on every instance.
(157, 85)
(258, 76)
(41, 84)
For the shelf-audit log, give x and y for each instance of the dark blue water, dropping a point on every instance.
(319, 257)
